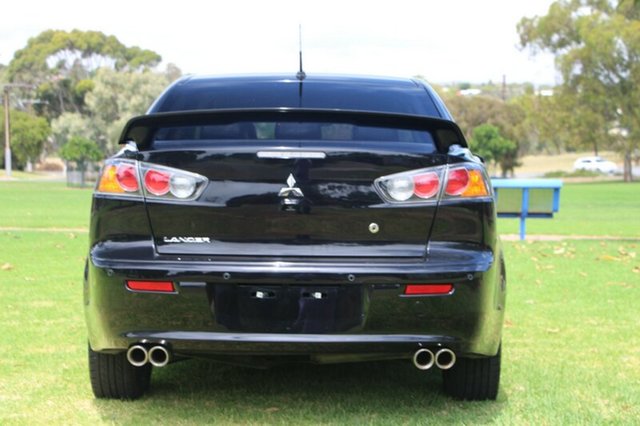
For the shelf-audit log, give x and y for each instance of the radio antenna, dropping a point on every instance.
(301, 74)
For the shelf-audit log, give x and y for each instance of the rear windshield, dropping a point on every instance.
(204, 135)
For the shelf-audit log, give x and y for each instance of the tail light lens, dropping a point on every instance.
(108, 182)
(182, 186)
(131, 178)
(426, 185)
(477, 186)
(457, 181)
(127, 177)
(465, 180)
(401, 188)
(156, 182)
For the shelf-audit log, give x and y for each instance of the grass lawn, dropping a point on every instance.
(607, 208)
(27, 204)
(571, 341)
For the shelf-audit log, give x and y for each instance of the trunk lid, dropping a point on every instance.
(292, 188)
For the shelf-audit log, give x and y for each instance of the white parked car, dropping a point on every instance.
(595, 164)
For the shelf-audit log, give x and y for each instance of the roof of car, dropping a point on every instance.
(319, 91)
(591, 158)
(400, 82)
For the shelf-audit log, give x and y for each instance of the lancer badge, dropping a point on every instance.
(291, 190)
(196, 240)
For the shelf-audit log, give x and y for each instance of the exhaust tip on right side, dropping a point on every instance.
(423, 359)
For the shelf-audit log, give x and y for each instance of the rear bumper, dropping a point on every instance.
(194, 342)
(468, 321)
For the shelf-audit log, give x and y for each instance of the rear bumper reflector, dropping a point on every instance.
(153, 286)
(427, 289)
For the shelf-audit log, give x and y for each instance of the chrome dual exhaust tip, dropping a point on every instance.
(445, 359)
(157, 355)
(137, 355)
(423, 359)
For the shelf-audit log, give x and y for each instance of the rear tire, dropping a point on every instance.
(473, 379)
(112, 376)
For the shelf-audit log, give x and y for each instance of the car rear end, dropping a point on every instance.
(287, 232)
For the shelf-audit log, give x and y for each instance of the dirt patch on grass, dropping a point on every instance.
(538, 165)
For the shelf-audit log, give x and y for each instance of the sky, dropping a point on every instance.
(444, 41)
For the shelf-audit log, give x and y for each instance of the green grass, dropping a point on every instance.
(573, 173)
(571, 353)
(571, 341)
(43, 205)
(608, 208)
(31, 176)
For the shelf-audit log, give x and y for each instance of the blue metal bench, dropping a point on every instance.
(525, 198)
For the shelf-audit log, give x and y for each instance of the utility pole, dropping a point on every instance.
(7, 128)
(7, 138)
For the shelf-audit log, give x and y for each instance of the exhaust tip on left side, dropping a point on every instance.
(159, 356)
(137, 355)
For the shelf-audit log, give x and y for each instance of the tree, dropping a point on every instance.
(597, 48)
(506, 118)
(115, 98)
(488, 143)
(61, 65)
(80, 150)
(28, 136)
(544, 126)
(71, 124)
(473, 111)
(118, 96)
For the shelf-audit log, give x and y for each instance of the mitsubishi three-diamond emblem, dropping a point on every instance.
(291, 190)
(291, 181)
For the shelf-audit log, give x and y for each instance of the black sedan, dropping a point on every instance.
(262, 219)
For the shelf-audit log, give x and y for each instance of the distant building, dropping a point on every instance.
(469, 92)
(545, 92)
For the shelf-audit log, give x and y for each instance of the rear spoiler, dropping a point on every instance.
(141, 129)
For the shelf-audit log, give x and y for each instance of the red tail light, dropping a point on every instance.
(457, 181)
(153, 286)
(156, 182)
(122, 177)
(427, 289)
(464, 180)
(426, 185)
(127, 177)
